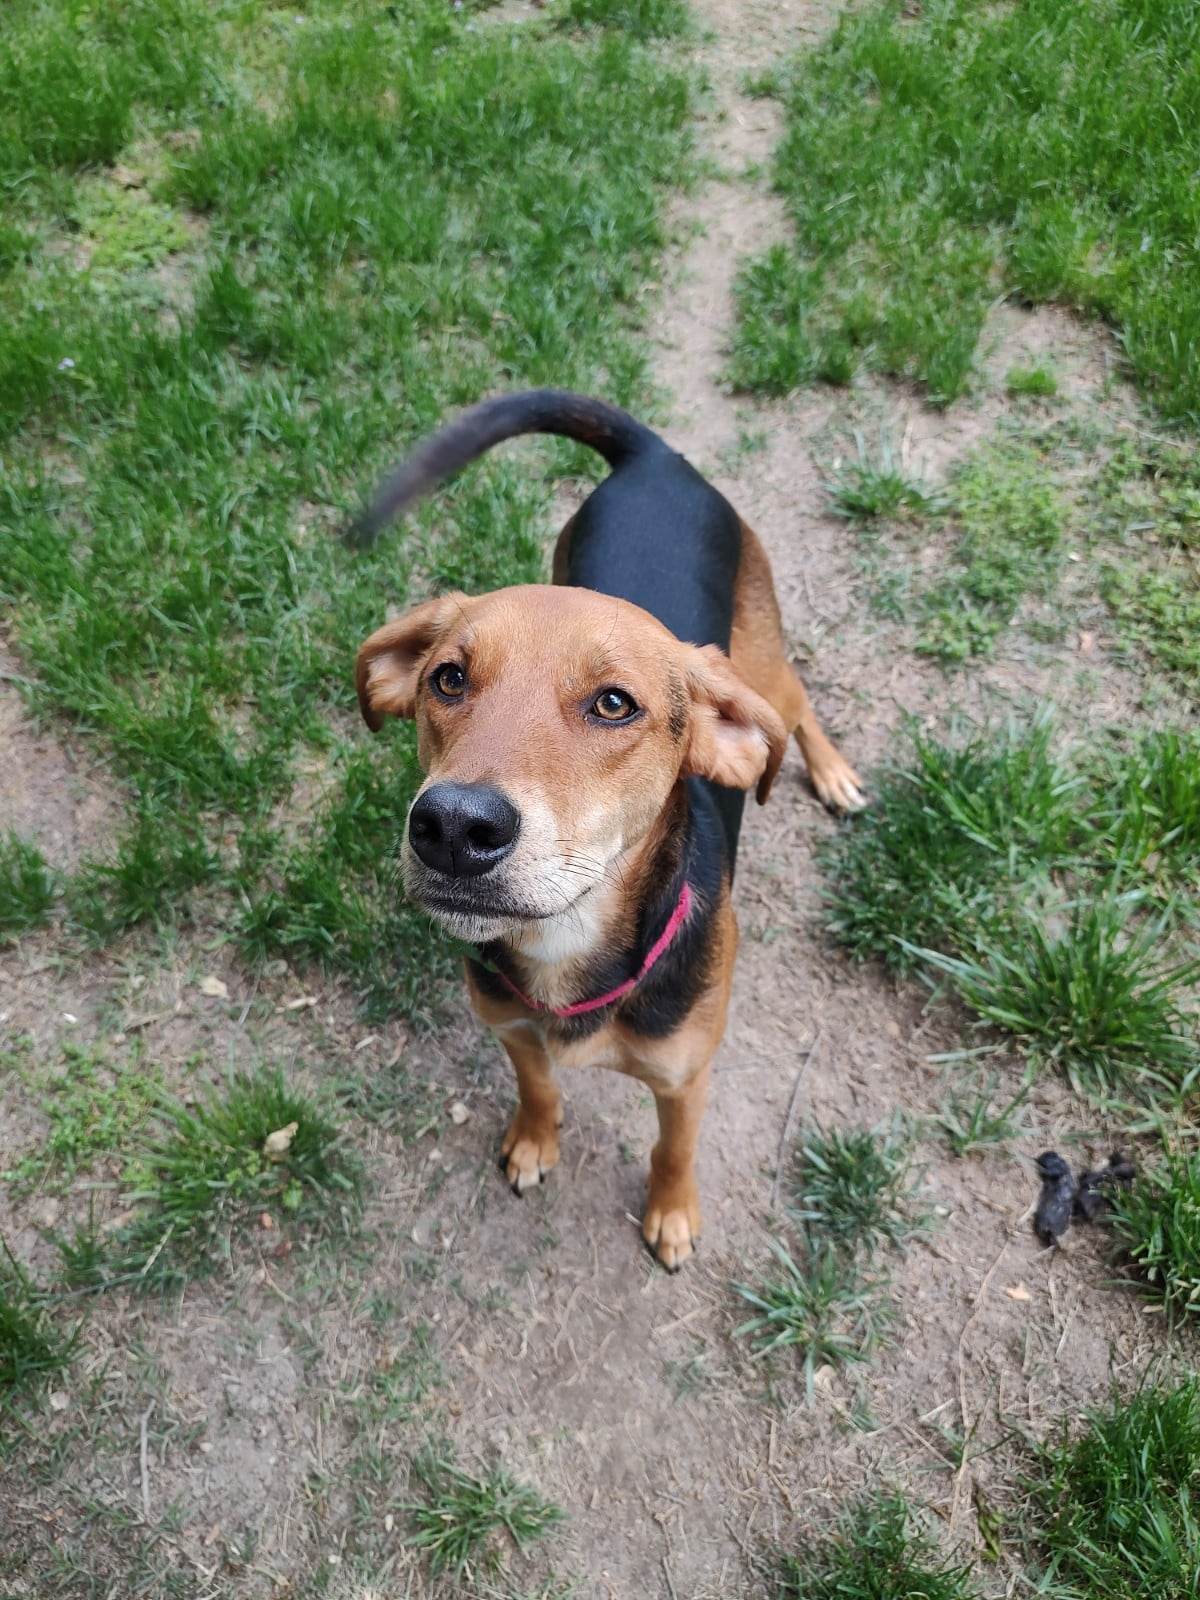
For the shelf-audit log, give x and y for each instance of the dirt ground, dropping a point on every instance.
(614, 1388)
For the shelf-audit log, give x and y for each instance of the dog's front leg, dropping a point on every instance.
(530, 1147)
(671, 1226)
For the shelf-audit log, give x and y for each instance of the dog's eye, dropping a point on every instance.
(613, 705)
(449, 680)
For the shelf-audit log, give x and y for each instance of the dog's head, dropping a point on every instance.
(553, 724)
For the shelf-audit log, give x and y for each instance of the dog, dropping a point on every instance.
(587, 746)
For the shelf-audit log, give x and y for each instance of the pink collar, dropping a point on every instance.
(655, 953)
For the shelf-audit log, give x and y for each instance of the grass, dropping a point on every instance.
(27, 887)
(463, 1512)
(1159, 611)
(953, 828)
(1114, 1510)
(1011, 520)
(32, 1350)
(327, 246)
(1151, 816)
(1029, 527)
(1097, 999)
(1031, 383)
(1157, 1224)
(878, 1551)
(850, 1195)
(209, 1172)
(976, 1120)
(823, 1309)
(1045, 151)
(867, 490)
(1144, 504)
(853, 1186)
(94, 1108)
(1004, 869)
(644, 19)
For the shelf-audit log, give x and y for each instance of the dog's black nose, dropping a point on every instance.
(463, 829)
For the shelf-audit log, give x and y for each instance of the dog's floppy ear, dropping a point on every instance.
(389, 664)
(737, 739)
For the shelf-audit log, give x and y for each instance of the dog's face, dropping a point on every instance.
(553, 724)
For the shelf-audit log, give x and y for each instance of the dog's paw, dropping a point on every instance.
(528, 1153)
(672, 1230)
(837, 784)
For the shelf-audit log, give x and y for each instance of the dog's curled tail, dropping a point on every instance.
(611, 432)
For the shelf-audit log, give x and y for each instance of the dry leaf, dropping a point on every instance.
(301, 1003)
(823, 1377)
(215, 988)
(1087, 643)
(276, 1145)
(459, 1113)
(59, 1400)
(1018, 1291)
(266, 1221)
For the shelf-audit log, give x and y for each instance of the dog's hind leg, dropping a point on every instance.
(759, 653)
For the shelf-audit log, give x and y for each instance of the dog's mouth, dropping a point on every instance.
(451, 904)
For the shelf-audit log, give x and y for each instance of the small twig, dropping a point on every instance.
(789, 1119)
(144, 1458)
(670, 1580)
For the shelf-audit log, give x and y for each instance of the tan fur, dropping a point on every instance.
(595, 801)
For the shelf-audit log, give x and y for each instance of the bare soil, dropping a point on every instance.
(564, 1351)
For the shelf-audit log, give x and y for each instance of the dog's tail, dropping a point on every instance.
(611, 432)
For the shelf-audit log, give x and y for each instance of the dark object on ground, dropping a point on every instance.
(1057, 1199)
(1095, 1188)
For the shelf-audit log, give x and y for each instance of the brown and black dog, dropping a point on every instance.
(587, 744)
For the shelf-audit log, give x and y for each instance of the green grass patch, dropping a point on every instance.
(878, 1551)
(1144, 502)
(1159, 611)
(457, 1522)
(823, 1308)
(1011, 521)
(1096, 998)
(32, 1349)
(365, 198)
(999, 867)
(210, 1172)
(1046, 150)
(854, 1186)
(644, 19)
(1115, 1508)
(94, 1108)
(1046, 512)
(874, 488)
(951, 830)
(980, 1118)
(1031, 383)
(1157, 1223)
(125, 229)
(27, 886)
(825, 1302)
(1151, 813)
